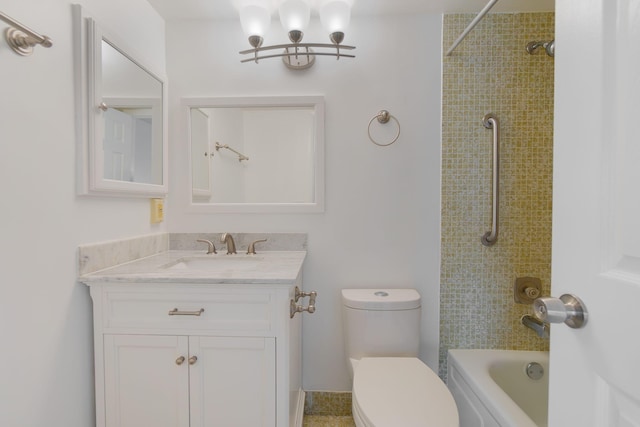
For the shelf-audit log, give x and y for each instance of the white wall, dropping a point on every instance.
(382, 218)
(227, 173)
(281, 166)
(46, 361)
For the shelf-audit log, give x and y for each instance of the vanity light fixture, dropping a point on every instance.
(255, 18)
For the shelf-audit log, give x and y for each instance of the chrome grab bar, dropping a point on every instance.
(491, 122)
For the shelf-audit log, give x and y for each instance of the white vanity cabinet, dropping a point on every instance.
(196, 355)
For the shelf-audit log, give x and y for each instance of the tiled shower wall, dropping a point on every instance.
(492, 72)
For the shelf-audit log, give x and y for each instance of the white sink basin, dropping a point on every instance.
(216, 263)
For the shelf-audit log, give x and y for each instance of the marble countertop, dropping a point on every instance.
(282, 267)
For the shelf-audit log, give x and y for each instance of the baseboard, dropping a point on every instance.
(299, 412)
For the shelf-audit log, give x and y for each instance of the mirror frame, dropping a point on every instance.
(88, 37)
(315, 102)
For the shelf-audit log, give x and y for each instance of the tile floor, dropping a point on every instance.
(328, 421)
(327, 409)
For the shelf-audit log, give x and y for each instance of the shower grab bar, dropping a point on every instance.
(491, 122)
(470, 27)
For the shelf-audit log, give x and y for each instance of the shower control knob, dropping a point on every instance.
(568, 309)
(532, 293)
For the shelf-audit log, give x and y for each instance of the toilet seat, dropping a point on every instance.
(401, 391)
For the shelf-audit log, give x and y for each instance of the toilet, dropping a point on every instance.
(391, 386)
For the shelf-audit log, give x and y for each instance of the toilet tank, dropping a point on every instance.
(381, 322)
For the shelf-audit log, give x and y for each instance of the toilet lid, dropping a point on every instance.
(402, 391)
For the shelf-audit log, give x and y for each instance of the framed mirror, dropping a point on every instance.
(256, 154)
(122, 137)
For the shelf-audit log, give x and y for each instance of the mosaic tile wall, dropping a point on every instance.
(491, 71)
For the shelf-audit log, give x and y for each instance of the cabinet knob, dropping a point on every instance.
(180, 360)
(193, 359)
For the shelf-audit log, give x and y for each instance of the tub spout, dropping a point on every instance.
(540, 328)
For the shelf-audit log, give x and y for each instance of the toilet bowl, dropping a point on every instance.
(391, 386)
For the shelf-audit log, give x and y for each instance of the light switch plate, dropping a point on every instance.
(157, 210)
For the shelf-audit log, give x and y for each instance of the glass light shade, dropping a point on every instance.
(255, 20)
(294, 15)
(335, 15)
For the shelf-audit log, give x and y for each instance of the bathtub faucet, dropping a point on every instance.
(542, 329)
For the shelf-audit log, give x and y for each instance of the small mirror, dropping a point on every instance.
(257, 154)
(123, 137)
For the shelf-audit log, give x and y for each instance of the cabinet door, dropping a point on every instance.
(146, 384)
(233, 381)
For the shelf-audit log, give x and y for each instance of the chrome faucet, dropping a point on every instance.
(211, 249)
(231, 245)
(540, 328)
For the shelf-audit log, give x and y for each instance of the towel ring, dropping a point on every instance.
(383, 117)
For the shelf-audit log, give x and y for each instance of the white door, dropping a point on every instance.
(146, 381)
(118, 145)
(595, 371)
(233, 381)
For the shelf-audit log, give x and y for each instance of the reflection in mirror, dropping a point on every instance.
(132, 114)
(257, 154)
(200, 152)
(121, 116)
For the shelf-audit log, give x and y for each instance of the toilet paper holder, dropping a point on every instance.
(294, 307)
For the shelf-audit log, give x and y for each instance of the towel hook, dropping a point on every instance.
(383, 117)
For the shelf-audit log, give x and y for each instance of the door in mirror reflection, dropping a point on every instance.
(128, 145)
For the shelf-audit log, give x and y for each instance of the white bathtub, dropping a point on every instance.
(492, 388)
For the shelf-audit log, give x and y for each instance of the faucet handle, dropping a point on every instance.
(252, 246)
(211, 249)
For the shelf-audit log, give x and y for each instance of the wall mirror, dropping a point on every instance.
(122, 122)
(256, 154)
